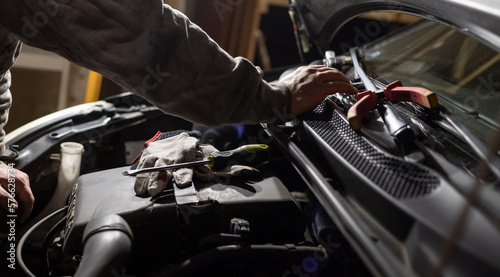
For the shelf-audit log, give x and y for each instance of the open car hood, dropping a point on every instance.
(322, 19)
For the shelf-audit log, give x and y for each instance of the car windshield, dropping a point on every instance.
(462, 71)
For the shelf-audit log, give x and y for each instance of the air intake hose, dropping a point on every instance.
(107, 244)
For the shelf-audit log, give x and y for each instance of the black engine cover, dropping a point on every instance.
(164, 227)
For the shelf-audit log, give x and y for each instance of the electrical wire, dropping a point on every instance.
(22, 265)
(45, 243)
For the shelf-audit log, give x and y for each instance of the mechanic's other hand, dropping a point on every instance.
(177, 149)
(309, 85)
(10, 179)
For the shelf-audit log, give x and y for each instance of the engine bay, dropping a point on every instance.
(263, 225)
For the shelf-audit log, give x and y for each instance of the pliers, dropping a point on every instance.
(398, 128)
(394, 92)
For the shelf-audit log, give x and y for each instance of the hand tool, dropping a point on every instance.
(251, 154)
(376, 98)
(394, 92)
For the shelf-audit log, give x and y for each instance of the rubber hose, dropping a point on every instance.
(107, 245)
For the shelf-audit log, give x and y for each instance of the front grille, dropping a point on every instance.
(392, 174)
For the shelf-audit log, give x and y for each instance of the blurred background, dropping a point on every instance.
(260, 30)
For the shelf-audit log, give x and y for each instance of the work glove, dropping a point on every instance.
(179, 149)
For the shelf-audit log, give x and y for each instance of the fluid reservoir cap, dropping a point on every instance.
(71, 148)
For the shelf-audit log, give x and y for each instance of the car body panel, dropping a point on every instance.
(322, 19)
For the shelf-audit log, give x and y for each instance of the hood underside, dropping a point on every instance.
(322, 19)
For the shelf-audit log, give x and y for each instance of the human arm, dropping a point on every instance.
(13, 183)
(156, 52)
(15, 191)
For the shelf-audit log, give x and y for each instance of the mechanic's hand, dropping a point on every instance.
(177, 149)
(13, 179)
(309, 85)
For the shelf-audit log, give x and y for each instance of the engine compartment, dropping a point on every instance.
(264, 225)
(239, 223)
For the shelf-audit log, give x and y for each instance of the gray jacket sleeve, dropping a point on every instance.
(5, 102)
(9, 49)
(155, 52)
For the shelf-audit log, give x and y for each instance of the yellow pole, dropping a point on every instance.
(93, 87)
